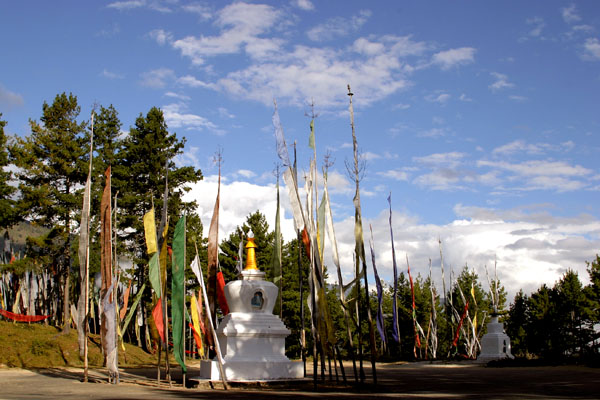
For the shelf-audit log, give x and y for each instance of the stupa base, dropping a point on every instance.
(244, 371)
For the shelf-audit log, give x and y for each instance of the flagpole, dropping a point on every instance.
(87, 276)
(212, 328)
(360, 247)
(183, 303)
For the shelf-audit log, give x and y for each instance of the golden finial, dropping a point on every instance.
(251, 253)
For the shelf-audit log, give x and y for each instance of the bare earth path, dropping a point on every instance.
(405, 381)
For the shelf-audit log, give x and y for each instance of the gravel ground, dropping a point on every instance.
(422, 380)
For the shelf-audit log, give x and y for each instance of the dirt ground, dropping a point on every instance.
(421, 380)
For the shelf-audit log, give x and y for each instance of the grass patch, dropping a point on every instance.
(40, 346)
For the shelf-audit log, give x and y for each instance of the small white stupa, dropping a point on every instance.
(495, 344)
(251, 337)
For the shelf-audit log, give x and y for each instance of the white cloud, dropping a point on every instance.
(539, 168)
(538, 25)
(395, 174)
(242, 25)
(433, 133)
(246, 173)
(163, 6)
(451, 159)
(591, 49)
(365, 46)
(441, 98)
(111, 75)
(464, 97)
(178, 96)
(157, 78)
(454, 57)
(10, 99)
(161, 36)
(191, 81)
(307, 74)
(338, 27)
(200, 9)
(570, 14)
(532, 175)
(305, 5)
(177, 117)
(521, 146)
(501, 82)
(530, 248)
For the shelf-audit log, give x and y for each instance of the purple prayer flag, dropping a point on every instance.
(379, 318)
(395, 332)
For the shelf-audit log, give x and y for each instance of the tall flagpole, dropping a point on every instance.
(183, 304)
(87, 275)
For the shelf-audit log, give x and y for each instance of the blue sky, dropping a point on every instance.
(481, 118)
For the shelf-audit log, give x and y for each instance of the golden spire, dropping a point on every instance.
(251, 253)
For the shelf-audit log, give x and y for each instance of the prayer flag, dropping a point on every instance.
(157, 314)
(221, 293)
(154, 275)
(282, 150)
(379, 318)
(213, 251)
(150, 231)
(196, 323)
(177, 294)
(395, 324)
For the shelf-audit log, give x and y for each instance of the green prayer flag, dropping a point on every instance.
(154, 273)
(177, 294)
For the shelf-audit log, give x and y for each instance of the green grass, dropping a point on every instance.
(40, 346)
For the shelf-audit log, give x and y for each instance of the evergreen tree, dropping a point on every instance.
(574, 314)
(516, 324)
(148, 152)
(52, 162)
(7, 212)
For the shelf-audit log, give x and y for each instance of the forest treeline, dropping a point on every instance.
(42, 176)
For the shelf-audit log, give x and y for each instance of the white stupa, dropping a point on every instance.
(251, 337)
(495, 344)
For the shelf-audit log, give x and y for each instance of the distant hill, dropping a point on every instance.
(18, 235)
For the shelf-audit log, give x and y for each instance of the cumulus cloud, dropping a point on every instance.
(454, 57)
(241, 26)
(338, 27)
(176, 116)
(530, 246)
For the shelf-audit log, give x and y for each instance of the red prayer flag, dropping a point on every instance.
(157, 314)
(21, 317)
(221, 293)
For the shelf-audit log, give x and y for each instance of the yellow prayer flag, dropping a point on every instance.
(150, 231)
(196, 322)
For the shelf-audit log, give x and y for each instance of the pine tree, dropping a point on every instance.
(7, 213)
(52, 162)
(147, 150)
